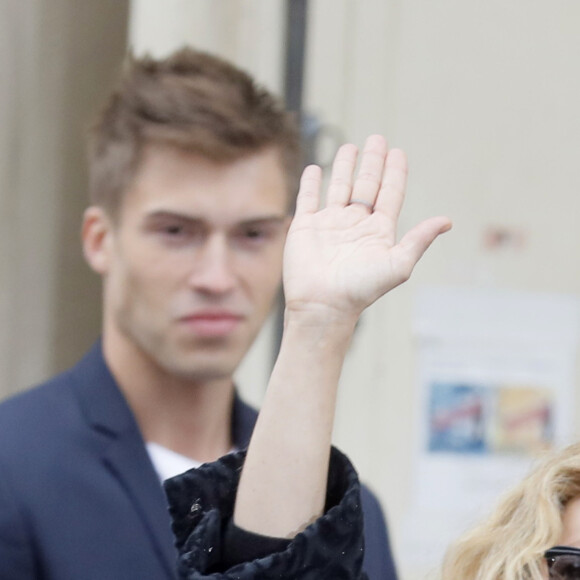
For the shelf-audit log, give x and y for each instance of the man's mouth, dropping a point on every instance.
(211, 323)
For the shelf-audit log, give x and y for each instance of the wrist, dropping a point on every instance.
(319, 324)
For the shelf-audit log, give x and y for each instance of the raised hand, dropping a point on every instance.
(338, 259)
(342, 257)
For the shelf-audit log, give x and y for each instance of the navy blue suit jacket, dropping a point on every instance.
(79, 497)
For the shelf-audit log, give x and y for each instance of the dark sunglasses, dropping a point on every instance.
(563, 563)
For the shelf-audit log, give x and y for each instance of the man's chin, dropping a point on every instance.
(201, 361)
(201, 373)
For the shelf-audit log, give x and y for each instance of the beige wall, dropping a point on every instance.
(483, 96)
(58, 58)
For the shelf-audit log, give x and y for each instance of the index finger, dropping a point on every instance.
(308, 198)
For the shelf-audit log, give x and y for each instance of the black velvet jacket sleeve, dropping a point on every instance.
(201, 505)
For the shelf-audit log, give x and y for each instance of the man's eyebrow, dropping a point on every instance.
(272, 219)
(264, 220)
(165, 214)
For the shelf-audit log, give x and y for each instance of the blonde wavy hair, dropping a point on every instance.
(527, 522)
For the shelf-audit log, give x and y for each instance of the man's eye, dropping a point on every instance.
(180, 234)
(173, 230)
(251, 237)
(256, 236)
(254, 233)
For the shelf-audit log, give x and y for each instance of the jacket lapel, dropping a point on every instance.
(123, 450)
(127, 458)
(243, 420)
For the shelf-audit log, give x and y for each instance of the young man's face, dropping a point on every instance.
(194, 262)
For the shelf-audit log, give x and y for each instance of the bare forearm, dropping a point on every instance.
(283, 485)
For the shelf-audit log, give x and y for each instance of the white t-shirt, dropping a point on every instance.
(168, 463)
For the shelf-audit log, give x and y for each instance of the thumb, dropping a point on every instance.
(416, 241)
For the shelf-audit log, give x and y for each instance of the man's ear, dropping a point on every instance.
(96, 235)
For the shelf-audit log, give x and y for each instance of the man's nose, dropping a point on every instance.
(213, 270)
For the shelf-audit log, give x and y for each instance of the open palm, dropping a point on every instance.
(344, 256)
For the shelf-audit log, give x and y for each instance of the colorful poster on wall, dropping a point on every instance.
(490, 418)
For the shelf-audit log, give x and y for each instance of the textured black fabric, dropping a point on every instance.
(201, 504)
(240, 545)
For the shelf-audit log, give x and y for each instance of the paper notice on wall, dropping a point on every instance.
(496, 375)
